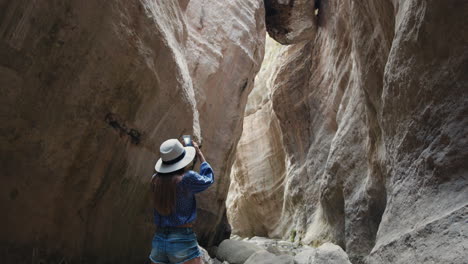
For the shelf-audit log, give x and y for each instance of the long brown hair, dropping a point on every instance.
(165, 190)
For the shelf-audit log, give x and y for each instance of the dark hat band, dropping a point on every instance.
(170, 162)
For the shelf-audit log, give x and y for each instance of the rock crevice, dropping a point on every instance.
(371, 110)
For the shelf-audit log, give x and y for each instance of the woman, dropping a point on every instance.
(174, 186)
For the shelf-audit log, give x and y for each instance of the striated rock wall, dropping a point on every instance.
(291, 21)
(259, 170)
(372, 112)
(89, 91)
(224, 51)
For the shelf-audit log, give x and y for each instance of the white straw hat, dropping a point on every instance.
(174, 156)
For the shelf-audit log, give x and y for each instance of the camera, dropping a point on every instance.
(187, 140)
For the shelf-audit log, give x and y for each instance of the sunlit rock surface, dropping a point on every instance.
(224, 52)
(373, 118)
(90, 89)
(259, 170)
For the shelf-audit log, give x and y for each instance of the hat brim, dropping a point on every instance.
(165, 168)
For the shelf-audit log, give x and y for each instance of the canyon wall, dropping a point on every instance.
(371, 107)
(90, 89)
(260, 181)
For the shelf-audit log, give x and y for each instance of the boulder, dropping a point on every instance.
(236, 252)
(259, 170)
(278, 247)
(327, 253)
(263, 257)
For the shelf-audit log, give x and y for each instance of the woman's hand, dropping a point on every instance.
(199, 153)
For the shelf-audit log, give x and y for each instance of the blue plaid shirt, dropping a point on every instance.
(186, 205)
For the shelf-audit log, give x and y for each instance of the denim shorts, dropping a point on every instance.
(174, 245)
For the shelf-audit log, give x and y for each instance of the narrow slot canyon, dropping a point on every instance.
(337, 130)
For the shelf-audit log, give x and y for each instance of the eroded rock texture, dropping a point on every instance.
(259, 170)
(224, 51)
(89, 91)
(373, 118)
(291, 21)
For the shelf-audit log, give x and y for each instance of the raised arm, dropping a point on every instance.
(199, 152)
(197, 182)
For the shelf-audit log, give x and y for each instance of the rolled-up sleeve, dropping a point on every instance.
(198, 182)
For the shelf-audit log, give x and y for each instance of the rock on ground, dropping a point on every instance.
(275, 246)
(236, 252)
(264, 257)
(258, 250)
(327, 253)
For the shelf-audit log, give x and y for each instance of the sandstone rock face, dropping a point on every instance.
(89, 91)
(372, 113)
(260, 180)
(291, 21)
(224, 52)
